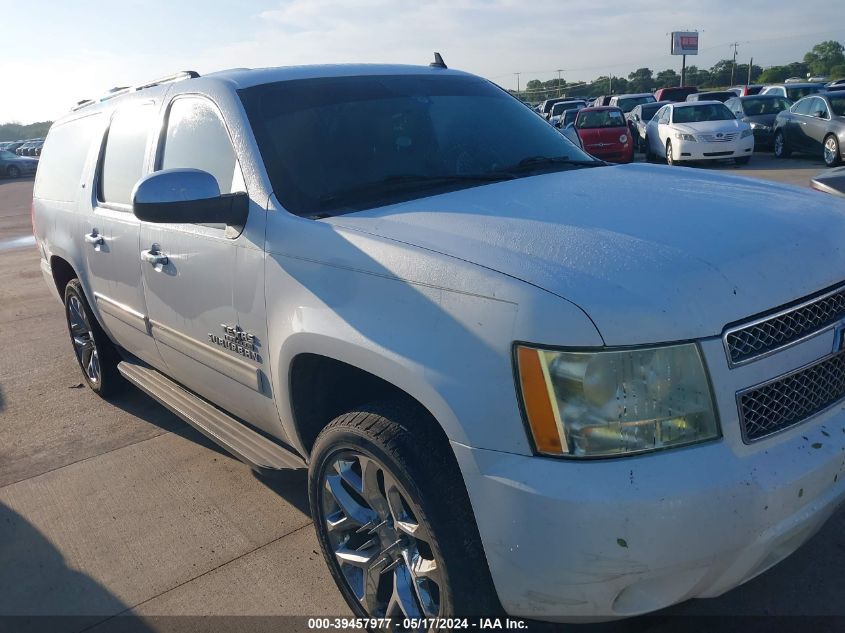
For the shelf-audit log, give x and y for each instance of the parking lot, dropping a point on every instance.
(116, 508)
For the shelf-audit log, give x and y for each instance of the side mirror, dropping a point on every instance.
(558, 124)
(831, 181)
(189, 196)
(739, 114)
(819, 114)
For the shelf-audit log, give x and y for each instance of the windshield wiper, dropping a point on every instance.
(533, 162)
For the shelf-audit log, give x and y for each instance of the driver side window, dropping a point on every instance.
(664, 115)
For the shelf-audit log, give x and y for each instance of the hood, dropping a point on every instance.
(711, 127)
(650, 253)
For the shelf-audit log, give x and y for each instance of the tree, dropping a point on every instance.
(824, 56)
(774, 75)
(837, 72)
(667, 78)
(697, 76)
(641, 80)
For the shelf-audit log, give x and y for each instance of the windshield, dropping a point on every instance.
(837, 104)
(339, 144)
(796, 93)
(599, 119)
(560, 108)
(697, 113)
(756, 107)
(629, 103)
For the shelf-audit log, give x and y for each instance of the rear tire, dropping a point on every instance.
(95, 353)
(376, 467)
(13, 172)
(781, 149)
(832, 156)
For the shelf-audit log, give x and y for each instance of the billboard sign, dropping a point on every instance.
(684, 43)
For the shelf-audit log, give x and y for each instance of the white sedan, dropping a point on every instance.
(700, 130)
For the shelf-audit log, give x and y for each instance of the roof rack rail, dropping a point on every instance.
(121, 90)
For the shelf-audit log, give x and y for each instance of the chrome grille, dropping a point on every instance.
(768, 334)
(792, 398)
(712, 138)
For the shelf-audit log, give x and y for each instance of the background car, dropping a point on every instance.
(705, 130)
(14, 166)
(638, 118)
(602, 100)
(562, 106)
(605, 134)
(567, 118)
(678, 93)
(835, 83)
(759, 111)
(714, 95)
(814, 125)
(628, 102)
(545, 108)
(746, 91)
(794, 90)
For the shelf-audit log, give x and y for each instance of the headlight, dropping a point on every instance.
(746, 133)
(684, 137)
(614, 403)
(759, 126)
(623, 138)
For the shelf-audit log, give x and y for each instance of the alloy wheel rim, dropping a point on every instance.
(778, 144)
(830, 151)
(669, 157)
(83, 339)
(383, 550)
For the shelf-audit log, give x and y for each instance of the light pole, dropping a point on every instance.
(733, 65)
(517, 85)
(559, 70)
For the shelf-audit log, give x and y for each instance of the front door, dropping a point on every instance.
(204, 283)
(111, 231)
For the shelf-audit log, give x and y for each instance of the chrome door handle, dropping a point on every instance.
(154, 257)
(94, 238)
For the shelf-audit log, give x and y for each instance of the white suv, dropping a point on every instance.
(521, 380)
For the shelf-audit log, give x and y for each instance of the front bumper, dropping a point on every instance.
(696, 150)
(764, 137)
(574, 540)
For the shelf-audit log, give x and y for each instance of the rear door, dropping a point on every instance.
(206, 303)
(818, 122)
(111, 231)
(797, 126)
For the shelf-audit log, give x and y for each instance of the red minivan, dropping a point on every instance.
(604, 134)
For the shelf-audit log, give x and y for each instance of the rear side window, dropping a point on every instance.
(126, 149)
(197, 138)
(63, 159)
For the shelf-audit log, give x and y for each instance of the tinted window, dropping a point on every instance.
(63, 157)
(338, 144)
(123, 159)
(764, 105)
(803, 107)
(197, 138)
(629, 103)
(664, 115)
(599, 119)
(796, 93)
(709, 112)
(837, 104)
(648, 111)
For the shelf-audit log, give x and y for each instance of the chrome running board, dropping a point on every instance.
(247, 445)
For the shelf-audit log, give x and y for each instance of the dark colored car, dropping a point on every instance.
(14, 166)
(678, 93)
(604, 134)
(746, 91)
(13, 146)
(759, 111)
(714, 95)
(793, 90)
(836, 83)
(628, 102)
(562, 106)
(638, 118)
(545, 108)
(813, 125)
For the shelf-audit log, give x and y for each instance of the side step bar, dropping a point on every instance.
(250, 447)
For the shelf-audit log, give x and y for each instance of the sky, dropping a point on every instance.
(58, 52)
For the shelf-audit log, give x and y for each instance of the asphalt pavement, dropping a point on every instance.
(113, 508)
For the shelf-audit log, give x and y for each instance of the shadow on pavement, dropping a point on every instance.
(38, 591)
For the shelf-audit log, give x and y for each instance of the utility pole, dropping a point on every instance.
(610, 84)
(750, 66)
(733, 66)
(517, 84)
(559, 89)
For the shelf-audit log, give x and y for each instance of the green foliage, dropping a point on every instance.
(667, 78)
(641, 80)
(18, 132)
(837, 72)
(824, 56)
(774, 75)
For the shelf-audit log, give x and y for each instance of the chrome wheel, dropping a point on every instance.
(381, 546)
(83, 339)
(831, 151)
(779, 145)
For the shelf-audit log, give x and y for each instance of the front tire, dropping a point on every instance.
(393, 517)
(781, 149)
(95, 353)
(13, 172)
(670, 157)
(832, 157)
